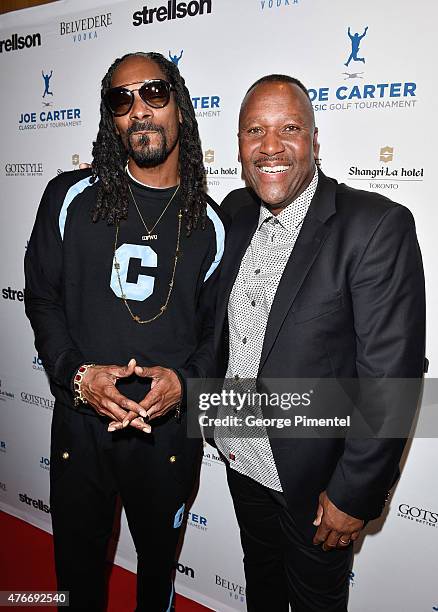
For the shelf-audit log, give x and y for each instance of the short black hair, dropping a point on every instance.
(278, 78)
(282, 78)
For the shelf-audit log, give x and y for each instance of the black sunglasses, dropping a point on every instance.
(154, 93)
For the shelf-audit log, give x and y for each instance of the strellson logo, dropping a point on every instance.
(85, 28)
(37, 400)
(366, 95)
(24, 169)
(13, 294)
(185, 570)
(15, 43)
(418, 515)
(173, 10)
(235, 590)
(35, 503)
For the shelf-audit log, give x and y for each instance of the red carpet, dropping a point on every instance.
(26, 563)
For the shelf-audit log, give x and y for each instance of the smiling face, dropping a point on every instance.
(277, 142)
(150, 135)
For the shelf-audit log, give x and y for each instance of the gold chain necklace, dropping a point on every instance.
(163, 308)
(150, 235)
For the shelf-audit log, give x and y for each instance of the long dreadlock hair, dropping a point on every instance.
(110, 156)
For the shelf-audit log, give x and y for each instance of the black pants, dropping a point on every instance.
(89, 468)
(281, 565)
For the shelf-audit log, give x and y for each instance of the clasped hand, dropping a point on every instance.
(99, 389)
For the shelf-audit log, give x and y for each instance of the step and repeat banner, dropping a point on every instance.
(368, 67)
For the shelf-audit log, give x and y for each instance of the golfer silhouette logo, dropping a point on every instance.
(355, 40)
(47, 78)
(175, 58)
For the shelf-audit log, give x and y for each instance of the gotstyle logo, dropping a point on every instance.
(364, 95)
(15, 43)
(13, 294)
(2, 446)
(86, 28)
(35, 503)
(24, 169)
(425, 517)
(5, 394)
(37, 400)
(235, 590)
(173, 10)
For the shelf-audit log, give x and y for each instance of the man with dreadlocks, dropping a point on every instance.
(121, 269)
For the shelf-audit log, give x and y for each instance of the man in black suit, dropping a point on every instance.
(318, 280)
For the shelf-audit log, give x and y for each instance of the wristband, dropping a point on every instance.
(77, 383)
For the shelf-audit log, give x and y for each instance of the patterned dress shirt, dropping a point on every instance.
(248, 310)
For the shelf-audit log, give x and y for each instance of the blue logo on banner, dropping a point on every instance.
(355, 40)
(60, 117)
(46, 78)
(175, 58)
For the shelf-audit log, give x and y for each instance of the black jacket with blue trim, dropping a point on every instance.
(70, 292)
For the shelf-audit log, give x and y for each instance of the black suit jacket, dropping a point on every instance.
(350, 304)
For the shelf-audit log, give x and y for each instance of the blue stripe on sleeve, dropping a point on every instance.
(220, 240)
(74, 190)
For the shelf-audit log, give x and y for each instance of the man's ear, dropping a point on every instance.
(315, 144)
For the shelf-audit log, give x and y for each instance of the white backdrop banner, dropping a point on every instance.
(369, 72)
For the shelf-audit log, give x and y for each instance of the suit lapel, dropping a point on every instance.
(238, 240)
(310, 240)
